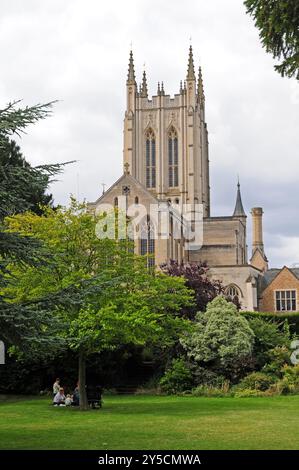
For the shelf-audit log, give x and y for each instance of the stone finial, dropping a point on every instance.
(162, 89)
(159, 89)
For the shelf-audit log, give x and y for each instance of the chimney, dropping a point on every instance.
(257, 229)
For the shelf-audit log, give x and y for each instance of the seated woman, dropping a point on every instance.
(59, 398)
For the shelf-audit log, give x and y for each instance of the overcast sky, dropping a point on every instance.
(77, 51)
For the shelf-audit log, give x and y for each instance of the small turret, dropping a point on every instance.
(239, 209)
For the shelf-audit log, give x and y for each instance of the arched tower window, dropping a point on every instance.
(147, 241)
(150, 159)
(116, 202)
(173, 158)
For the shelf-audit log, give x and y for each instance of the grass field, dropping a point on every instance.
(152, 422)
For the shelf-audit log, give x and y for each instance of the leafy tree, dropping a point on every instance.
(278, 24)
(221, 338)
(205, 289)
(22, 322)
(102, 294)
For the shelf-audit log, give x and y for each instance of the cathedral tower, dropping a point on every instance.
(166, 139)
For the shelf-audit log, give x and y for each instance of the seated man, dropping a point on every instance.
(59, 398)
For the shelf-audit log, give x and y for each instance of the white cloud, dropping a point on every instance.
(285, 250)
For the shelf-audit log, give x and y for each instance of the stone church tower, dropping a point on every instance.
(166, 139)
(166, 162)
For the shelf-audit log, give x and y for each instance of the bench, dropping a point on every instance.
(94, 396)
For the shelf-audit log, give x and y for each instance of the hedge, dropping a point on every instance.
(291, 317)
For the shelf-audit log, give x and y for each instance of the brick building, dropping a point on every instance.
(278, 290)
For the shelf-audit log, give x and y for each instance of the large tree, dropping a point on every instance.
(20, 323)
(102, 294)
(278, 24)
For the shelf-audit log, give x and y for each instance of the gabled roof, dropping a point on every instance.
(125, 178)
(258, 250)
(271, 274)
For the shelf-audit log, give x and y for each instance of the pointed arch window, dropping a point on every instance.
(233, 292)
(147, 241)
(150, 159)
(173, 158)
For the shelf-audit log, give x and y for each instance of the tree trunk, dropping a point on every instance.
(82, 381)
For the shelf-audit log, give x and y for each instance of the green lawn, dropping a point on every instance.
(150, 422)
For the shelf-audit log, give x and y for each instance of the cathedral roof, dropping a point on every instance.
(126, 178)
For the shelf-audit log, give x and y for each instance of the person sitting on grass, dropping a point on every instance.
(59, 398)
(69, 400)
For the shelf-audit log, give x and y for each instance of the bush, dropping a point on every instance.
(268, 335)
(177, 378)
(209, 391)
(291, 318)
(247, 393)
(220, 340)
(256, 381)
(203, 376)
(291, 374)
(277, 358)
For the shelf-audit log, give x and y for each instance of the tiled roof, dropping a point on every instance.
(268, 277)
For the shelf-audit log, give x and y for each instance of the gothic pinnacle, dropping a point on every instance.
(200, 89)
(190, 72)
(144, 92)
(131, 71)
